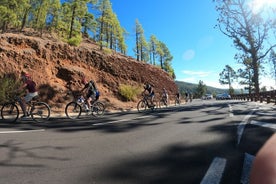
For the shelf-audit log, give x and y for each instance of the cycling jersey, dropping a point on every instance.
(31, 86)
(91, 86)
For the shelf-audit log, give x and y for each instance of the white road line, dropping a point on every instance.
(21, 131)
(247, 163)
(142, 117)
(230, 111)
(263, 124)
(120, 120)
(266, 113)
(241, 126)
(215, 171)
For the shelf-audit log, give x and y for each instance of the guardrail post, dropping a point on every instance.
(261, 99)
(268, 99)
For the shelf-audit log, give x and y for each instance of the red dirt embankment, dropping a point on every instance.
(57, 68)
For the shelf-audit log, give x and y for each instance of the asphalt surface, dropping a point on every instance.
(206, 141)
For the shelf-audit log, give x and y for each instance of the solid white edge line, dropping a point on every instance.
(21, 131)
(242, 124)
(263, 124)
(215, 171)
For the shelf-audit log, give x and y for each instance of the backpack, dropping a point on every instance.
(92, 86)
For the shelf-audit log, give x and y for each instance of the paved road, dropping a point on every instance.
(200, 142)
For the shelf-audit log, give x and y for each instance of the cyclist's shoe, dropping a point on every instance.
(88, 111)
(24, 116)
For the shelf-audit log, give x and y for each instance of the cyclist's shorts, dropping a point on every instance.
(30, 96)
(90, 94)
(151, 94)
(97, 95)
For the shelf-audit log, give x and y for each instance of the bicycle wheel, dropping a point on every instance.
(40, 112)
(98, 109)
(177, 102)
(162, 104)
(73, 110)
(9, 112)
(142, 106)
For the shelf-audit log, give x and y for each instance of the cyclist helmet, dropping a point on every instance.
(146, 85)
(25, 75)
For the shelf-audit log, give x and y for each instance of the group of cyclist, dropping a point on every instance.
(92, 93)
(90, 89)
(164, 96)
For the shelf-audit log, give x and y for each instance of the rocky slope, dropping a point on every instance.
(57, 68)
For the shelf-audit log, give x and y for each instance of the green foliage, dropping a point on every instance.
(75, 41)
(107, 51)
(129, 92)
(201, 89)
(192, 88)
(8, 86)
(71, 20)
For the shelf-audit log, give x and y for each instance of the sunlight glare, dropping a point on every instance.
(257, 5)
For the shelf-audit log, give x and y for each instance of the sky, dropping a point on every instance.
(200, 51)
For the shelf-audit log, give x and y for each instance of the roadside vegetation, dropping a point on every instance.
(128, 92)
(73, 20)
(253, 35)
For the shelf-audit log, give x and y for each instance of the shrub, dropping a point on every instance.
(9, 87)
(129, 92)
(75, 41)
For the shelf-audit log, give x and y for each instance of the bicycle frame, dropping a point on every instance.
(143, 104)
(36, 109)
(74, 109)
(145, 99)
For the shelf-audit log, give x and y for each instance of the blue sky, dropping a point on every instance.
(200, 52)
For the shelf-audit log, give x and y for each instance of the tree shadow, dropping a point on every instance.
(185, 163)
(14, 150)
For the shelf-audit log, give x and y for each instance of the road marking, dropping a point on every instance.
(215, 171)
(21, 131)
(266, 113)
(242, 124)
(247, 163)
(142, 117)
(263, 124)
(230, 111)
(120, 120)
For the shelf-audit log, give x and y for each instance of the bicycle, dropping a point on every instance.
(143, 104)
(39, 111)
(177, 101)
(74, 109)
(163, 102)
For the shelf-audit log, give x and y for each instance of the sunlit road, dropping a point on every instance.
(206, 141)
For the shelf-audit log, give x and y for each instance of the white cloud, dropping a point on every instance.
(188, 55)
(197, 73)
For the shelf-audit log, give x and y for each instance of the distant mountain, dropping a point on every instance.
(191, 88)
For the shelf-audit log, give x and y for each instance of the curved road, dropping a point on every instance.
(200, 142)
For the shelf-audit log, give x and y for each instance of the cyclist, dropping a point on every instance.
(30, 86)
(149, 88)
(177, 96)
(165, 96)
(92, 93)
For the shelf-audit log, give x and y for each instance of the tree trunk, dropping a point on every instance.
(72, 22)
(256, 75)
